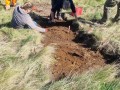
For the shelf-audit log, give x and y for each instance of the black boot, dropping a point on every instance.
(117, 16)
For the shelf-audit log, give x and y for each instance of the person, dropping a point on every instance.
(57, 11)
(22, 19)
(9, 2)
(58, 5)
(108, 4)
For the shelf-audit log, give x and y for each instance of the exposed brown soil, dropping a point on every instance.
(43, 8)
(71, 57)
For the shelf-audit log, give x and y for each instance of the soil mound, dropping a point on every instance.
(71, 57)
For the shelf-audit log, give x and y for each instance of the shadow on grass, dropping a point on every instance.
(6, 25)
(89, 41)
(45, 22)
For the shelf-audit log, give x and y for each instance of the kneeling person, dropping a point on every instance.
(22, 19)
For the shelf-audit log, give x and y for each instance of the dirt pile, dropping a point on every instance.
(71, 57)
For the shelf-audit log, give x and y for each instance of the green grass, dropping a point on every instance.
(107, 36)
(25, 62)
(102, 79)
(90, 3)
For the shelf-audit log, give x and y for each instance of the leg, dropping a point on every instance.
(53, 10)
(55, 7)
(117, 16)
(72, 6)
(28, 27)
(107, 6)
(53, 2)
(52, 16)
(58, 15)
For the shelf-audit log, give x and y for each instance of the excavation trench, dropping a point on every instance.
(71, 57)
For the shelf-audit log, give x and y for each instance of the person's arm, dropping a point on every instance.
(32, 25)
(72, 6)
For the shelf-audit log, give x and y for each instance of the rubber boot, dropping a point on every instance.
(117, 16)
(105, 15)
(107, 6)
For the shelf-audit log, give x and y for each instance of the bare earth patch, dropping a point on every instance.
(71, 57)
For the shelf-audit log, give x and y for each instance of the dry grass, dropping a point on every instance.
(107, 36)
(102, 79)
(24, 61)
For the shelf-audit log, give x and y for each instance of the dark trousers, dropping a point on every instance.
(107, 6)
(56, 6)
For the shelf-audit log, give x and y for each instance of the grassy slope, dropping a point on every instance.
(102, 79)
(25, 62)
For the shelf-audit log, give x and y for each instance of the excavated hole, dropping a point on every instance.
(71, 55)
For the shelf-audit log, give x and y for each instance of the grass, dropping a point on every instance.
(102, 79)
(25, 62)
(107, 36)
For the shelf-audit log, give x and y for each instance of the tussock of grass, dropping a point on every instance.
(102, 79)
(107, 37)
(25, 63)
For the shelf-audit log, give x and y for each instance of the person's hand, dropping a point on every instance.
(46, 30)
